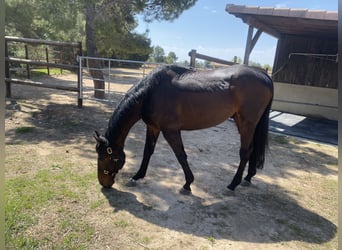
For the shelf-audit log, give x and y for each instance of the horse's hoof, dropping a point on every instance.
(184, 191)
(246, 183)
(131, 183)
(228, 192)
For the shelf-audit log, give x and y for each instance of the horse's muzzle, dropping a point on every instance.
(107, 182)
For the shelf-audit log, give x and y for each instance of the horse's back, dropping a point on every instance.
(203, 98)
(221, 78)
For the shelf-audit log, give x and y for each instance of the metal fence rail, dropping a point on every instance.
(118, 76)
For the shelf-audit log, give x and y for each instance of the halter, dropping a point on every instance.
(115, 160)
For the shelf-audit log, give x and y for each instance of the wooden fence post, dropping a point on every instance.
(79, 83)
(27, 66)
(61, 60)
(47, 60)
(7, 73)
(192, 55)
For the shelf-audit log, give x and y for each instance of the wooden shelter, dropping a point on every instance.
(306, 56)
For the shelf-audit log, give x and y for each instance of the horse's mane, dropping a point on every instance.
(156, 77)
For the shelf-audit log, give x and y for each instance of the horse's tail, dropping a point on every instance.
(260, 138)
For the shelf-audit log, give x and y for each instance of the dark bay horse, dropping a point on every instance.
(173, 98)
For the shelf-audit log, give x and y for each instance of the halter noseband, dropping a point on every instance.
(115, 160)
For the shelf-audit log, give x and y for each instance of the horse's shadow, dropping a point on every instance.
(245, 217)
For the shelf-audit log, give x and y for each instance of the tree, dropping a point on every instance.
(171, 58)
(106, 24)
(99, 10)
(54, 20)
(158, 55)
(236, 59)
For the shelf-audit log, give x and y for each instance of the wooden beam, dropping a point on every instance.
(209, 58)
(261, 26)
(32, 62)
(250, 43)
(41, 84)
(39, 41)
(255, 39)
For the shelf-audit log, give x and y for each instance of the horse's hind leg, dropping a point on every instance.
(150, 143)
(244, 154)
(251, 172)
(246, 130)
(175, 141)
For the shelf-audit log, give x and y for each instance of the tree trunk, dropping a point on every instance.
(94, 66)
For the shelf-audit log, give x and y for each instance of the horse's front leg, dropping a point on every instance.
(150, 143)
(175, 141)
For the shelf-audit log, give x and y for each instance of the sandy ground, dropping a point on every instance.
(292, 203)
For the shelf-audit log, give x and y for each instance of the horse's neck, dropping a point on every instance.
(120, 125)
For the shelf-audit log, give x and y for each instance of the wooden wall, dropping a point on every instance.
(318, 71)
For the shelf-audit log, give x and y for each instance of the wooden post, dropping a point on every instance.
(7, 73)
(61, 60)
(47, 60)
(248, 45)
(79, 80)
(251, 41)
(192, 55)
(27, 66)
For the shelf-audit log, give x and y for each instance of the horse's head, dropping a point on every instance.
(109, 161)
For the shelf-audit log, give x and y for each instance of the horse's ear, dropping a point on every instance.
(96, 135)
(100, 139)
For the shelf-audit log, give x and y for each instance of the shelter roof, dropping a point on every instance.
(280, 21)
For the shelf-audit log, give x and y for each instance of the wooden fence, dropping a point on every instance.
(69, 63)
(194, 55)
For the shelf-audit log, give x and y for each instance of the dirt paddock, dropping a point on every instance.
(292, 203)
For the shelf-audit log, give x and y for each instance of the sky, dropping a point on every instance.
(209, 29)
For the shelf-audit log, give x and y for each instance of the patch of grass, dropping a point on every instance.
(56, 167)
(24, 130)
(330, 186)
(96, 204)
(26, 195)
(24, 243)
(211, 239)
(75, 232)
(44, 71)
(121, 223)
(22, 197)
(146, 240)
